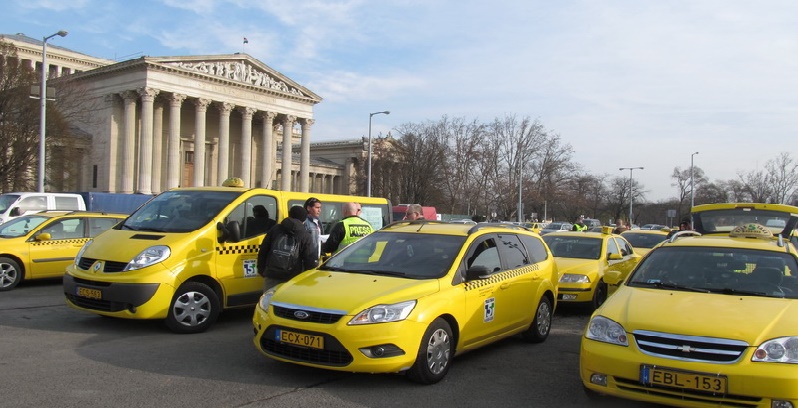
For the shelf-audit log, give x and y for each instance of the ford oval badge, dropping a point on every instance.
(301, 314)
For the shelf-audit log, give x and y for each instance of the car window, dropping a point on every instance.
(612, 247)
(626, 248)
(512, 251)
(98, 225)
(639, 240)
(573, 246)
(535, 248)
(484, 253)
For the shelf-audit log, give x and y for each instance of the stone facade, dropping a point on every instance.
(165, 122)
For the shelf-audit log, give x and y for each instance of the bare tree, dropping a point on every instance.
(783, 177)
(756, 186)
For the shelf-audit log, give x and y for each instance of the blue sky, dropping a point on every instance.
(626, 82)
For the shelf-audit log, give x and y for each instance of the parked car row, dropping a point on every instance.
(703, 318)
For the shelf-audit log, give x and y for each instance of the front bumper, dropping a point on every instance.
(128, 300)
(346, 348)
(749, 384)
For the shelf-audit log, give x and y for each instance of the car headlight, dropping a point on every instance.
(266, 299)
(384, 313)
(602, 329)
(149, 256)
(574, 278)
(82, 250)
(780, 350)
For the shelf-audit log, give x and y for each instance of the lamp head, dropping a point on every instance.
(62, 33)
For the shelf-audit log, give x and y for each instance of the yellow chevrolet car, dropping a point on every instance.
(41, 245)
(583, 258)
(643, 240)
(709, 318)
(411, 296)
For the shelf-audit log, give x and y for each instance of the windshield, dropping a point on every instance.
(6, 200)
(731, 271)
(640, 240)
(725, 220)
(574, 246)
(179, 211)
(554, 226)
(21, 226)
(410, 255)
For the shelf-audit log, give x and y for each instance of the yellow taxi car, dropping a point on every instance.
(643, 240)
(411, 296)
(583, 258)
(535, 226)
(41, 245)
(707, 319)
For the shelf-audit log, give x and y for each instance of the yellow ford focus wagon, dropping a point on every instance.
(411, 296)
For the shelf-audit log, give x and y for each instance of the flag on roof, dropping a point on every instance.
(246, 41)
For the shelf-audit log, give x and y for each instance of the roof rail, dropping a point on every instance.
(482, 225)
(684, 234)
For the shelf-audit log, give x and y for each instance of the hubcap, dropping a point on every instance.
(544, 318)
(438, 351)
(192, 309)
(8, 275)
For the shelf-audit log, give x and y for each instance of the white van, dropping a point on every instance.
(13, 205)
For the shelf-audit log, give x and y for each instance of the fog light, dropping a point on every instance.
(781, 404)
(382, 351)
(598, 379)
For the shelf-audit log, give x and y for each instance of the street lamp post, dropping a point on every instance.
(692, 186)
(43, 105)
(631, 194)
(368, 188)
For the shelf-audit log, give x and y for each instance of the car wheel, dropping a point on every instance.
(10, 274)
(434, 354)
(599, 296)
(541, 326)
(194, 308)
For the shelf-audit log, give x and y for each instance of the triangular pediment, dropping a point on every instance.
(240, 68)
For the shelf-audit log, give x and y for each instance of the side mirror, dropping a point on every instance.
(477, 272)
(14, 212)
(614, 257)
(44, 236)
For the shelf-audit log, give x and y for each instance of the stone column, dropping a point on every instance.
(111, 150)
(268, 152)
(304, 162)
(129, 141)
(223, 164)
(288, 124)
(199, 141)
(145, 142)
(173, 174)
(246, 145)
(157, 150)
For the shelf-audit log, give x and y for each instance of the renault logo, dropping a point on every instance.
(301, 314)
(97, 266)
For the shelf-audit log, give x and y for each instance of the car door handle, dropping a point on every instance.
(504, 285)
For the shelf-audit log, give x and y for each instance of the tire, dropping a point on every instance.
(434, 354)
(194, 308)
(541, 327)
(599, 296)
(10, 274)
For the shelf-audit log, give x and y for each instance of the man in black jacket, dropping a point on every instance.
(287, 249)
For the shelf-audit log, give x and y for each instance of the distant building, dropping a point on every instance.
(164, 122)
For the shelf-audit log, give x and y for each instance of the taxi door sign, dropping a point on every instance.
(490, 309)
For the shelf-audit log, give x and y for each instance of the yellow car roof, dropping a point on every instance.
(447, 228)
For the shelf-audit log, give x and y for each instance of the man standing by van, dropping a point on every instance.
(414, 212)
(313, 223)
(287, 250)
(350, 229)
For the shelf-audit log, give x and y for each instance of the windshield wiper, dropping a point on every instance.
(732, 291)
(671, 285)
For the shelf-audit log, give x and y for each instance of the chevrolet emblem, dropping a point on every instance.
(686, 349)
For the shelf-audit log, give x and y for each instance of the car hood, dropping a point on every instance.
(752, 319)
(350, 292)
(576, 265)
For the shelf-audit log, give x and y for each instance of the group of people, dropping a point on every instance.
(295, 245)
(620, 226)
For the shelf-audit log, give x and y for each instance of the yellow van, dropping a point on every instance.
(189, 253)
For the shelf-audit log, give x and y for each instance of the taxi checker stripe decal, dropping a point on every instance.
(237, 249)
(60, 242)
(501, 276)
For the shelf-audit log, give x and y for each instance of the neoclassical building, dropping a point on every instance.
(165, 122)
